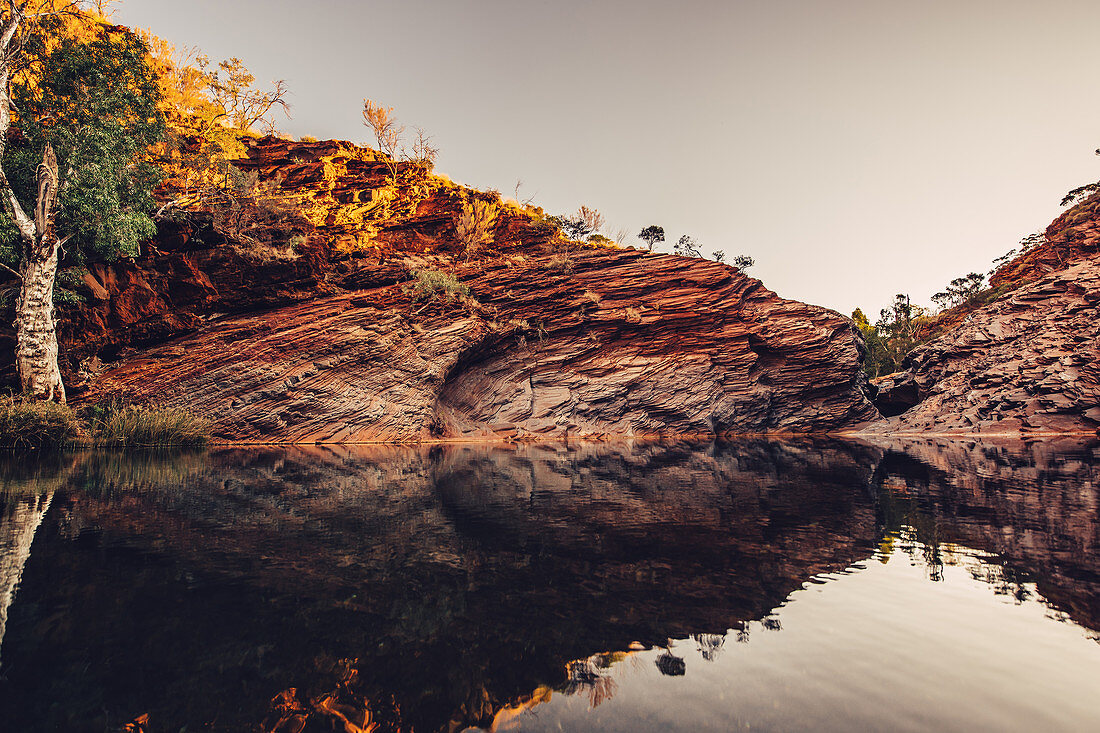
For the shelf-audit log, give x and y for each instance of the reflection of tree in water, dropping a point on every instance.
(909, 523)
(27, 486)
(671, 665)
(462, 579)
(1005, 580)
(591, 676)
(709, 645)
(903, 523)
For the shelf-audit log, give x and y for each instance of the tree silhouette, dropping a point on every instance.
(651, 235)
(687, 246)
(743, 262)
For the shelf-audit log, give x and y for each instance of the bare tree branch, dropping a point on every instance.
(13, 272)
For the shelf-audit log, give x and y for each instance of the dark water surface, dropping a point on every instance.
(806, 585)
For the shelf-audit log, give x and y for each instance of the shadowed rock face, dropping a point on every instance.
(563, 339)
(1028, 361)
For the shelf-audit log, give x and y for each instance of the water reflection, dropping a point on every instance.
(440, 588)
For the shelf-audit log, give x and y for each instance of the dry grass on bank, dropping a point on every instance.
(122, 425)
(31, 424)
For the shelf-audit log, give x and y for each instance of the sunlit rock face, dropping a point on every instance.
(560, 339)
(1029, 361)
(673, 345)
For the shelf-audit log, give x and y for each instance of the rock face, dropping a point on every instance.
(328, 342)
(1026, 362)
(624, 344)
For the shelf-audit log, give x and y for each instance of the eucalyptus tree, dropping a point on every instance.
(652, 235)
(75, 181)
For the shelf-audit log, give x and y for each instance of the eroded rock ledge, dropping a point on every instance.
(1027, 362)
(622, 343)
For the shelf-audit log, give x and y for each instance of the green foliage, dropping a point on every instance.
(896, 333)
(96, 103)
(960, 291)
(117, 423)
(68, 280)
(652, 235)
(34, 424)
(432, 284)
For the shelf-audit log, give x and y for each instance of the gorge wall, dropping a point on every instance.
(1027, 361)
(293, 318)
(328, 343)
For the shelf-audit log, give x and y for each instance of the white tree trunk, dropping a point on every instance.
(36, 345)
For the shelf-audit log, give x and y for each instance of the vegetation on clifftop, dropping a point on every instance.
(903, 326)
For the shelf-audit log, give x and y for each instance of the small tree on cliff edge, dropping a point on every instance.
(651, 235)
(87, 110)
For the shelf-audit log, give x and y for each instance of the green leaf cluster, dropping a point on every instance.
(96, 102)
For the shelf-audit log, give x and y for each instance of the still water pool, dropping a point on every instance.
(758, 585)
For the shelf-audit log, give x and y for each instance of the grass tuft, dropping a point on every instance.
(118, 424)
(433, 284)
(32, 424)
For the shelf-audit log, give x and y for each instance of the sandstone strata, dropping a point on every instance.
(624, 344)
(1026, 362)
(326, 342)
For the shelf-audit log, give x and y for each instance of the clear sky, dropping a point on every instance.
(855, 148)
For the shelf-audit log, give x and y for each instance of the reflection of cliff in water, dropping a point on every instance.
(460, 577)
(1034, 506)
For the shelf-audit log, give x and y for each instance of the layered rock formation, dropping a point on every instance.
(295, 321)
(625, 344)
(1026, 362)
(329, 344)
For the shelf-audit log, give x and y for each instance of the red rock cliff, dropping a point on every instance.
(327, 344)
(1027, 362)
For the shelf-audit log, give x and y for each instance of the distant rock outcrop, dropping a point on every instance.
(1029, 361)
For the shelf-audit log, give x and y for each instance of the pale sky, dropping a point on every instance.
(855, 148)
